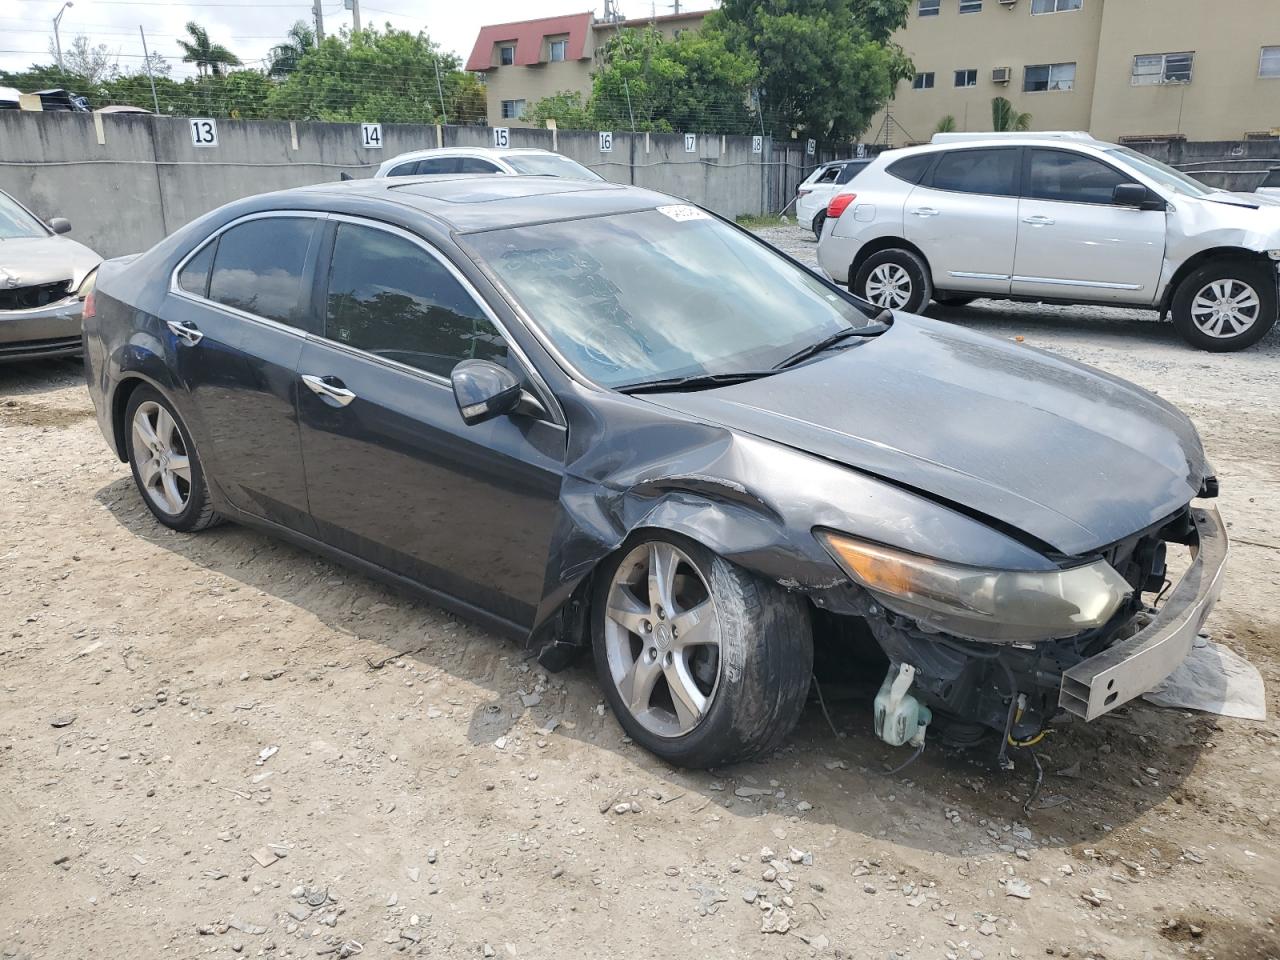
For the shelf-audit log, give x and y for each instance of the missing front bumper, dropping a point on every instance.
(1133, 666)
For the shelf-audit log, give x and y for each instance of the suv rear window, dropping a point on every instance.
(851, 170)
(911, 169)
(993, 172)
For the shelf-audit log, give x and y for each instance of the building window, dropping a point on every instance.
(507, 54)
(1269, 62)
(1055, 6)
(1153, 68)
(512, 109)
(923, 81)
(929, 8)
(1049, 76)
(966, 78)
(558, 50)
(970, 6)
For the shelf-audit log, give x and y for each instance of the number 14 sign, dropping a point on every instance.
(371, 136)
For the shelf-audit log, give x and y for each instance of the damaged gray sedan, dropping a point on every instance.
(596, 418)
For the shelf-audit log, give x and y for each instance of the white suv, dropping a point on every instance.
(1061, 218)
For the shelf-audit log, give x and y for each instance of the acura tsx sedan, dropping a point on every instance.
(597, 418)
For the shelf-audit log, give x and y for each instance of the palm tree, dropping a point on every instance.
(946, 125)
(285, 56)
(208, 57)
(1005, 119)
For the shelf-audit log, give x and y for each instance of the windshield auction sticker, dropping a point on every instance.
(682, 211)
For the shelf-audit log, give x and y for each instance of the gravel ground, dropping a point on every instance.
(219, 745)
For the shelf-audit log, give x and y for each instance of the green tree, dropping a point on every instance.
(946, 125)
(388, 76)
(285, 57)
(209, 57)
(1004, 118)
(565, 108)
(825, 66)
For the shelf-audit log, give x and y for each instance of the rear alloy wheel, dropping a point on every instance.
(1226, 305)
(703, 663)
(165, 464)
(896, 279)
(819, 219)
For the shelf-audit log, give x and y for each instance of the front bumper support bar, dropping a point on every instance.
(1134, 666)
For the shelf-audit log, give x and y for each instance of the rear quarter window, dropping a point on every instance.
(194, 277)
(911, 169)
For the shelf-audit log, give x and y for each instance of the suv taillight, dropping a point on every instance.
(90, 307)
(839, 203)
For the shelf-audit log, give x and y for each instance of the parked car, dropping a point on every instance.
(516, 162)
(1270, 186)
(44, 278)
(595, 417)
(819, 187)
(1060, 218)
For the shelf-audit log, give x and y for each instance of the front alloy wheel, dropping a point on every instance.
(702, 662)
(1225, 308)
(1226, 304)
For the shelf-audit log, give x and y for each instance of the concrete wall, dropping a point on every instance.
(125, 181)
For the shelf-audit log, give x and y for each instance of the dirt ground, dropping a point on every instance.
(215, 744)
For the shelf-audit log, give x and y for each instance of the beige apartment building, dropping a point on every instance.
(1121, 69)
(523, 62)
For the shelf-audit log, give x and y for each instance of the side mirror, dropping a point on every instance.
(484, 390)
(1130, 195)
(60, 225)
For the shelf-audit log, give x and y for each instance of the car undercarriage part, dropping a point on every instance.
(899, 717)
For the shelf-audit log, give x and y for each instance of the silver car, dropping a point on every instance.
(516, 162)
(44, 278)
(1059, 218)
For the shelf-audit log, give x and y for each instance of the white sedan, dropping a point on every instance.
(527, 162)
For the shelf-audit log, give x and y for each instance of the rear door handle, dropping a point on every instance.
(334, 392)
(185, 331)
(925, 212)
(1039, 221)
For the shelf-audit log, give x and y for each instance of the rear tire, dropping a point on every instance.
(739, 647)
(165, 464)
(957, 300)
(897, 279)
(1226, 305)
(819, 219)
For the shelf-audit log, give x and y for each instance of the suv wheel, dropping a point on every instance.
(896, 279)
(1226, 305)
(702, 663)
(819, 219)
(165, 464)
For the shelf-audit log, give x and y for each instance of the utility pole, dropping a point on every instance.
(444, 114)
(354, 7)
(57, 40)
(146, 58)
(318, 14)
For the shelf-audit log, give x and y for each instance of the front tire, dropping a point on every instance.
(896, 279)
(703, 663)
(1226, 305)
(165, 464)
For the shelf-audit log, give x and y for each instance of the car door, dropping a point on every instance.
(394, 475)
(964, 218)
(1074, 242)
(241, 312)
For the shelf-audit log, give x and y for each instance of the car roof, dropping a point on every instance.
(468, 152)
(975, 141)
(472, 203)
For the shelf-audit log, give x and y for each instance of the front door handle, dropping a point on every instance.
(925, 212)
(1039, 221)
(185, 331)
(334, 392)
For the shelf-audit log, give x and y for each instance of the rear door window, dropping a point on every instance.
(1072, 177)
(438, 165)
(390, 297)
(993, 172)
(259, 265)
(405, 169)
(476, 165)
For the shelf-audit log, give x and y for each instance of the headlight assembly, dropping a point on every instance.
(994, 605)
(86, 284)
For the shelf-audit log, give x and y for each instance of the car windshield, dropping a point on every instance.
(1162, 173)
(15, 222)
(549, 165)
(673, 292)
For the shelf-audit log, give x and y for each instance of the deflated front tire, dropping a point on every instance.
(703, 663)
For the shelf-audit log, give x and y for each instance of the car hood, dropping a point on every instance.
(36, 260)
(1070, 456)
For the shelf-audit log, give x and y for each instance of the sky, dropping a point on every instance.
(251, 27)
